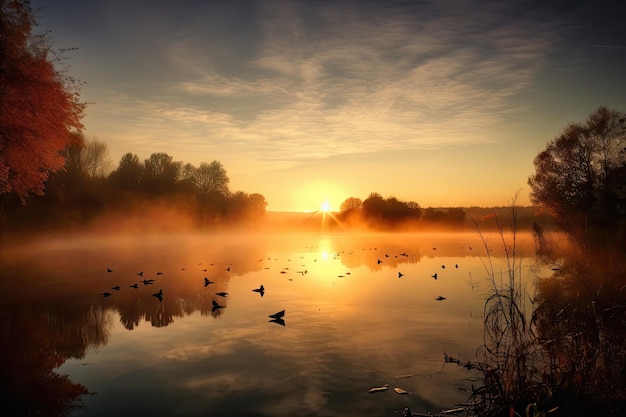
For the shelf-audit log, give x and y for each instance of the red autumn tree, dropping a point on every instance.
(39, 104)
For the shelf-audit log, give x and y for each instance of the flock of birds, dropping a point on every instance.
(274, 318)
(400, 274)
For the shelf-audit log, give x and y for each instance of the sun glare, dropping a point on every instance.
(319, 196)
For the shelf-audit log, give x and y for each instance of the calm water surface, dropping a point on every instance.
(350, 324)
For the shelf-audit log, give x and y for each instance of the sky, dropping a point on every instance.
(443, 102)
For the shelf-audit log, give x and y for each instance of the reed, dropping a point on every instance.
(559, 351)
(510, 358)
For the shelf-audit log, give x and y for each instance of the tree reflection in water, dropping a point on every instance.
(581, 324)
(36, 340)
(51, 315)
(566, 354)
(42, 329)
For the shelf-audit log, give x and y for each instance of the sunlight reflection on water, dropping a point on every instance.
(351, 322)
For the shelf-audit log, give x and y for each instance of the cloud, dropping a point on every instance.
(337, 78)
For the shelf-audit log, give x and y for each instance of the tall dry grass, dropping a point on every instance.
(559, 350)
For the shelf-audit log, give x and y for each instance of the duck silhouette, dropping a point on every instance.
(135, 286)
(435, 275)
(400, 274)
(260, 290)
(379, 262)
(278, 318)
(106, 294)
(159, 295)
(140, 274)
(440, 298)
(116, 288)
(216, 306)
(207, 282)
(277, 321)
(147, 281)
(109, 270)
(278, 315)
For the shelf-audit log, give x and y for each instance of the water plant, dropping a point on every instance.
(558, 351)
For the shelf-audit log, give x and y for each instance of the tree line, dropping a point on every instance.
(379, 212)
(86, 188)
(579, 181)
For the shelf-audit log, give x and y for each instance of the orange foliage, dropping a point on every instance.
(39, 105)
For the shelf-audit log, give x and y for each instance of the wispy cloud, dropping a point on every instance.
(336, 78)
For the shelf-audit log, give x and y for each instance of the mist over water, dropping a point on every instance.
(361, 310)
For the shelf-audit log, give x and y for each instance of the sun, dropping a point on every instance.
(325, 207)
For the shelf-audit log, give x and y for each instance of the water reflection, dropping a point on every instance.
(36, 339)
(581, 322)
(352, 323)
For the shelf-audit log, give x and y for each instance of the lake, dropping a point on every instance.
(351, 322)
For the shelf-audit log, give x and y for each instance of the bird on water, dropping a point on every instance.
(216, 306)
(278, 315)
(278, 318)
(260, 290)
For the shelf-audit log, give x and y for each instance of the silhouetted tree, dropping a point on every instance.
(128, 174)
(72, 155)
(95, 159)
(160, 174)
(455, 215)
(395, 209)
(39, 104)
(87, 159)
(433, 215)
(374, 205)
(580, 175)
(351, 203)
(413, 205)
(186, 181)
(256, 204)
(87, 164)
(75, 192)
(211, 181)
